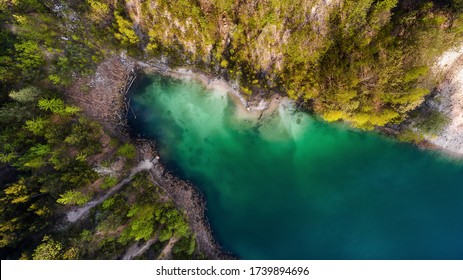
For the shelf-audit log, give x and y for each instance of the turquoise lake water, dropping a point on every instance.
(293, 187)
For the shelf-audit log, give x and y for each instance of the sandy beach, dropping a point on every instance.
(244, 110)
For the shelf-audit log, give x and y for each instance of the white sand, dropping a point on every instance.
(243, 109)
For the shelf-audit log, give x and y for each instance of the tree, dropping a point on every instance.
(36, 126)
(127, 150)
(57, 106)
(174, 223)
(126, 34)
(99, 11)
(17, 192)
(74, 197)
(53, 105)
(20, 213)
(25, 95)
(49, 249)
(185, 247)
(141, 225)
(7, 157)
(29, 59)
(72, 253)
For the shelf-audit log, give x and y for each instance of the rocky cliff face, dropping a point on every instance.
(449, 101)
(207, 30)
(363, 62)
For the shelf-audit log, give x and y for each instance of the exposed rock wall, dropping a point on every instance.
(449, 100)
(206, 30)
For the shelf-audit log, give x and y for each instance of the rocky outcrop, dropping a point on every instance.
(207, 30)
(449, 100)
(104, 100)
(186, 198)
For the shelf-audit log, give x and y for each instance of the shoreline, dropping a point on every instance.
(430, 146)
(185, 196)
(112, 114)
(245, 108)
(262, 107)
(106, 102)
(449, 101)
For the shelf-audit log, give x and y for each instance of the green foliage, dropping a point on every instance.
(35, 158)
(141, 225)
(7, 157)
(99, 11)
(27, 94)
(108, 182)
(366, 63)
(433, 122)
(127, 150)
(54, 105)
(81, 156)
(56, 79)
(17, 192)
(174, 224)
(224, 63)
(29, 59)
(72, 253)
(36, 126)
(57, 106)
(126, 34)
(74, 197)
(144, 217)
(49, 249)
(367, 77)
(84, 134)
(184, 248)
(22, 212)
(77, 58)
(246, 90)
(109, 202)
(415, 73)
(34, 143)
(141, 182)
(409, 135)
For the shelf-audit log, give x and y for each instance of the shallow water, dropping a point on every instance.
(293, 187)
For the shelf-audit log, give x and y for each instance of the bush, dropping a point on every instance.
(127, 150)
(108, 182)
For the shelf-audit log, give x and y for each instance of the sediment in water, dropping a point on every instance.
(108, 102)
(114, 77)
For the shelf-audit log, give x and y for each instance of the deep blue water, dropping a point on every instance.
(290, 186)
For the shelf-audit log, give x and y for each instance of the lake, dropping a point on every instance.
(291, 186)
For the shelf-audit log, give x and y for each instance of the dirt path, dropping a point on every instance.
(166, 253)
(188, 199)
(78, 214)
(102, 98)
(136, 250)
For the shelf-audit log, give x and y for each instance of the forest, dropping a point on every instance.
(366, 62)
